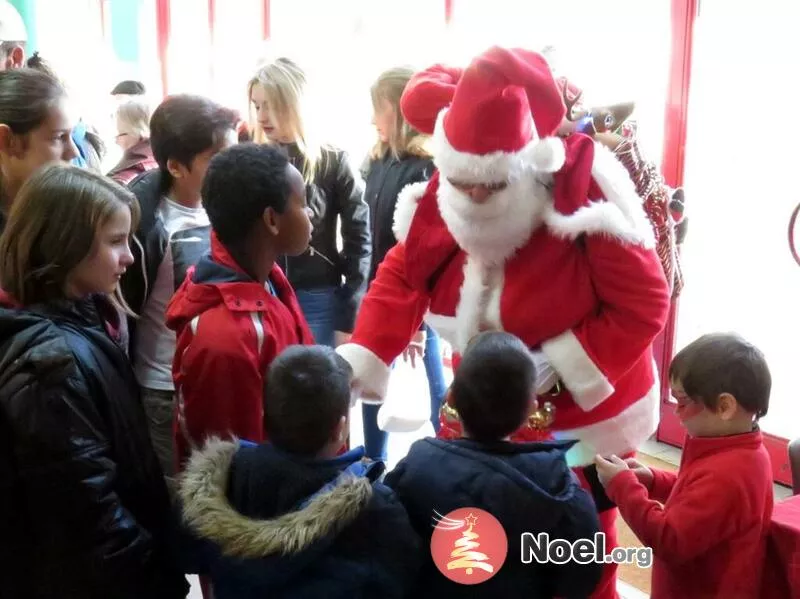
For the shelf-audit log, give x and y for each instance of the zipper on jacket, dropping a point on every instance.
(312, 251)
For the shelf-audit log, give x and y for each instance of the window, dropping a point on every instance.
(616, 50)
(740, 275)
(189, 49)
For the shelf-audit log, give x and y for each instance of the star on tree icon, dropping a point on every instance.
(464, 553)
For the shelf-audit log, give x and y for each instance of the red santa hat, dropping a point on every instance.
(492, 120)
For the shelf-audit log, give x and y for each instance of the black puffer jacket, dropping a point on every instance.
(84, 510)
(385, 179)
(336, 194)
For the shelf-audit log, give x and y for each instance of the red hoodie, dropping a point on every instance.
(709, 538)
(230, 328)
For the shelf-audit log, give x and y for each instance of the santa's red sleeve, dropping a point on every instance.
(390, 315)
(596, 205)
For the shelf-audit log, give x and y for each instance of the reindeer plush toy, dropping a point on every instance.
(613, 127)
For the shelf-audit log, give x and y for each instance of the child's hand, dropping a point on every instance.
(642, 472)
(609, 468)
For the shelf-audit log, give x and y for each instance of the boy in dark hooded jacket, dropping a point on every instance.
(527, 487)
(291, 518)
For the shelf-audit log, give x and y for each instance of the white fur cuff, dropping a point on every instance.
(406, 207)
(370, 373)
(588, 386)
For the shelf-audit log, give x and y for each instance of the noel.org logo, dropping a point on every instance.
(468, 545)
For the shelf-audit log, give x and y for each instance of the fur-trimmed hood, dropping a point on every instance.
(319, 517)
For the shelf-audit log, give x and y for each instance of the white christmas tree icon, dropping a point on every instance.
(464, 555)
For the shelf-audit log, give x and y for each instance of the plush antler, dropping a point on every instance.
(571, 102)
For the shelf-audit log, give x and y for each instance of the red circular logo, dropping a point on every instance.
(468, 545)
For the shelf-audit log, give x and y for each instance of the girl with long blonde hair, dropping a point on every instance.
(399, 158)
(329, 283)
(81, 483)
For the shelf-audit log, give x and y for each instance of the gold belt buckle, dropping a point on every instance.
(541, 418)
(544, 415)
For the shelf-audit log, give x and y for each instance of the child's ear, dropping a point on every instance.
(270, 218)
(533, 403)
(727, 406)
(448, 397)
(9, 143)
(341, 431)
(175, 168)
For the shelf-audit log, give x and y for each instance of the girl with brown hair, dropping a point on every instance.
(398, 159)
(35, 129)
(83, 503)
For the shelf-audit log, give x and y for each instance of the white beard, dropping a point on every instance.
(491, 232)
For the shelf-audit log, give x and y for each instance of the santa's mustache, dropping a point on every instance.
(496, 205)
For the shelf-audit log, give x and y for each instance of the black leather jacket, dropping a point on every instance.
(84, 510)
(335, 197)
(385, 179)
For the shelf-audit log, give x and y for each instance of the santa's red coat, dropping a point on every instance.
(572, 272)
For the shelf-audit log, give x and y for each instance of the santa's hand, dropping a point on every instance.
(357, 392)
(340, 338)
(607, 469)
(546, 376)
(642, 472)
(415, 349)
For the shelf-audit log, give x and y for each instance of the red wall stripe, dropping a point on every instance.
(162, 36)
(212, 18)
(266, 17)
(103, 20)
(684, 14)
(212, 21)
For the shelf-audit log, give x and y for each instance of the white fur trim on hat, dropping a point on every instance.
(541, 155)
(546, 155)
(620, 215)
(406, 207)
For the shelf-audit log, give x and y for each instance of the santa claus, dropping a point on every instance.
(526, 232)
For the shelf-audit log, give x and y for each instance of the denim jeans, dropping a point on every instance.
(319, 307)
(376, 440)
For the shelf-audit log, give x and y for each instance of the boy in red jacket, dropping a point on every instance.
(235, 312)
(708, 537)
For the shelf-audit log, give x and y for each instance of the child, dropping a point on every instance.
(174, 233)
(290, 518)
(34, 129)
(83, 506)
(399, 159)
(236, 311)
(709, 536)
(132, 118)
(528, 487)
(329, 282)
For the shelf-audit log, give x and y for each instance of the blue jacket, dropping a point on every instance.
(527, 487)
(270, 524)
